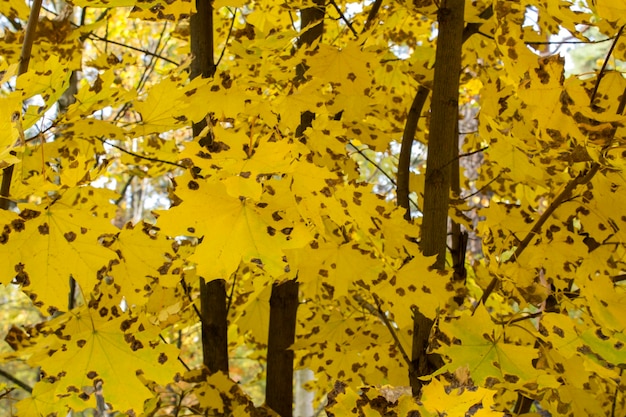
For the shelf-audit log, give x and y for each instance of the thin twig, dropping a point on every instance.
(232, 293)
(481, 189)
(604, 64)
(379, 168)
(136, 155)
(389, 326)
(193, 304)
(368, 159)
(23, 385)
(343, 17)
(230, 31)
(179, 358)
(569, 42)
(95, 37)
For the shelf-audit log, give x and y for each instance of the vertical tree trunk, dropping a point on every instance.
(212, 294)
(443, 140)
(282, 332)
(203, 64)
(443, 127)
(214, 325)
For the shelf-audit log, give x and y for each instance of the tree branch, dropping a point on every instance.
(372, 15)
(536, 229)
(604, 64)
(23, 385)
(343, 17)
(404, 159)
(95, 37)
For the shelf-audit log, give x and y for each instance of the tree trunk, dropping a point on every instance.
(212, 294)
(282, 332)
(443, 127)
(203, 64)
(442, 142)
(214, 325)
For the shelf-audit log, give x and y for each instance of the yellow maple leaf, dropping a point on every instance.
(45, 245)
(350, 65)
(481, 346)
(234, 229)
(456, 402)
(93, 350)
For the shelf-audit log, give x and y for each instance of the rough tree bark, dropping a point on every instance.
(282, 332)
(443, 127)
(203, 64)
(442, 145)
(213, 299)
(214, 325)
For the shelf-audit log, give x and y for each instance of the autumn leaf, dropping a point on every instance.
(235, 230)
(478, 344)
(42, 241)
(92, 349)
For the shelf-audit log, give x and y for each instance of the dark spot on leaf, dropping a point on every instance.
(558, 331)
(162, 358)
(511, 378)
(559, 367)
(271, 231)
(28, 214)
(21, 276)
(103, 312)
(193, 185)
(44, 229)
(70, 236)
(17, 225)
(286, 231)
(81, 343)
(276, 216)
(601, 335)
(136, 345)
(92, 374)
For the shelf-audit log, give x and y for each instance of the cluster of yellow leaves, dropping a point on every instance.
(260, 205)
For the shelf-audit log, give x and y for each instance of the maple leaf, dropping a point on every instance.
(235, 230)
(477, 344)
(46, 245)
(144, 256)
(349, 65)
(92, 349)
(457, 402)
